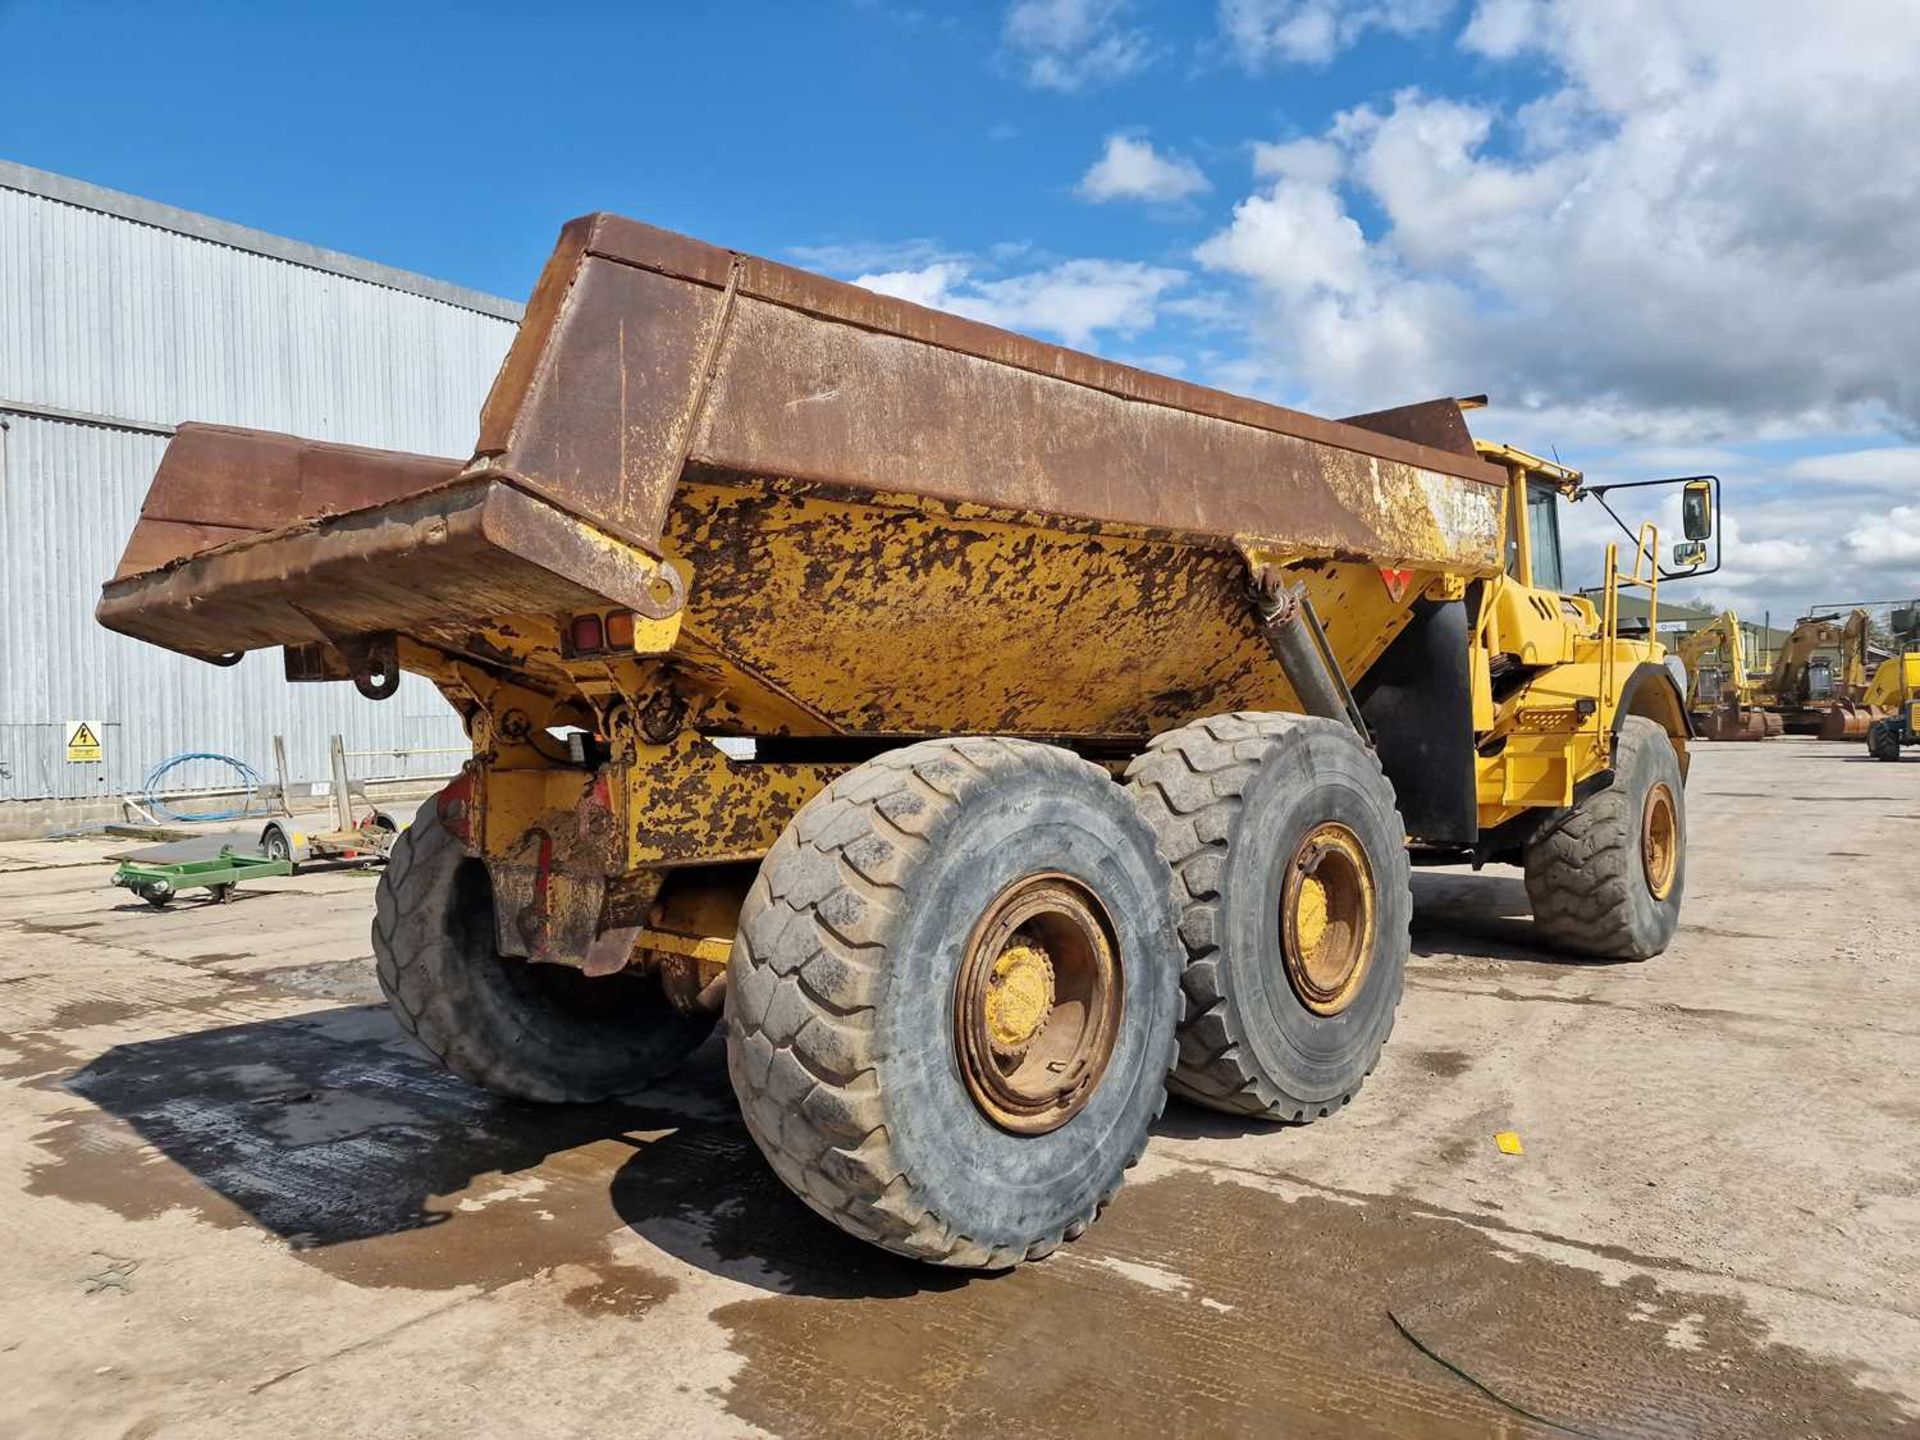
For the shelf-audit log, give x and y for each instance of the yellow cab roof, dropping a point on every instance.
(1550, 472)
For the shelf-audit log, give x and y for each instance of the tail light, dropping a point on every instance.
(592, 634)
(585, 635)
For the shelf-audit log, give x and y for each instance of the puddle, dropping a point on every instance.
(372, 1164)
(1279, 1326)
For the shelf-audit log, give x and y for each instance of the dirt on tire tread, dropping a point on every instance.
(804, 1011)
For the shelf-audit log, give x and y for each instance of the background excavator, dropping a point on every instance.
(1819, 680)
(1720, 692)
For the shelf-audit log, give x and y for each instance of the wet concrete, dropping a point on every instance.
(245, 1205)
(1204, 1307)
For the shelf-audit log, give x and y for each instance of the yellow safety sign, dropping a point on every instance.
(83, 743)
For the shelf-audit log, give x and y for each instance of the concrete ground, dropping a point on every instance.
(238, 1204)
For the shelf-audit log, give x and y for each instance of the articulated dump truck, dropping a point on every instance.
(988, 736)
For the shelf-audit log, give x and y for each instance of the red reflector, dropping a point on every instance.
(1397, 582)
(620, 630)
(584, 634)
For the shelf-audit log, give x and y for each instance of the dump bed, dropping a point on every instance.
(802, 468)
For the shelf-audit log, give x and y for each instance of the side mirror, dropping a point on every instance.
(1690, 554)
(1696, 511)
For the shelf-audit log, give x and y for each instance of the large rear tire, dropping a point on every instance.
(530, 1032)
(1606, 879)
(951, 999)
(1291, 870)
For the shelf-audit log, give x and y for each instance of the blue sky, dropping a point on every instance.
(1666, 234)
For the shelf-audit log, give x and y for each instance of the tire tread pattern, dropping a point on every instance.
(1189, 785)
(476, 1030)
(1580, 874)
(807, 974)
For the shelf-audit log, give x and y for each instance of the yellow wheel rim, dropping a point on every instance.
(1037, 1004)
(1327, 918)
(1660, 841)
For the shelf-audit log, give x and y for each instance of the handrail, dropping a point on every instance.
(1609, 634)
(1645, 575)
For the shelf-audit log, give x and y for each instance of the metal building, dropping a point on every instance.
(118, 318)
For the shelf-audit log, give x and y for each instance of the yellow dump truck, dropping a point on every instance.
(986, 730)
(1893, 695)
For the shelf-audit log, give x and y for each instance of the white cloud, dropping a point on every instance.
(1703, 230)
(931, 285)
(1888, 466)
(1131, 169)
(1317, 162)
(1074, 301)
(1263, 33)
(839, 257)
(1072, 45)
(1892, 539)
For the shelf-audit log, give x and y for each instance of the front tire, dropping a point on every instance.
(951, 1000)
(1283, 833)
(529, 1032)
(1883, 740)
(1606, 880)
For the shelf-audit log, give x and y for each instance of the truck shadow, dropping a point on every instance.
(329, 1131)
(1481, 917)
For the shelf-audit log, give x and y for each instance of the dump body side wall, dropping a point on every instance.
(643, 350)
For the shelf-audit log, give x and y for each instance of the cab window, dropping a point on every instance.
(1543, 529)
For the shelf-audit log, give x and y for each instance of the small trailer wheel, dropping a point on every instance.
(275, 845)
(951, 999)
(156, 897)
(1290, 868)
(527, 1031)
(1606, 878)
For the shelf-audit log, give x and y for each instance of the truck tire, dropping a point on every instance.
(544, 1033)
(951, 999)
(1883, 740)
(1279, 1023)
(1607, 878)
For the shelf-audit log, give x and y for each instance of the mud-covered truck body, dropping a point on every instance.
(986, 729)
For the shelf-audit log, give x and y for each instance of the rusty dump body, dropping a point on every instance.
(833, 520)
(678, 417)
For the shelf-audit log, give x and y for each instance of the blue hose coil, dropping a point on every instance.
(162, 811)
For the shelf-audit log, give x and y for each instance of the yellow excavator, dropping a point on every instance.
(1819, 680)
(1720, 692)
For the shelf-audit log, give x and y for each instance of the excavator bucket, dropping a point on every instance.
(1730, 724)
(1849, 720)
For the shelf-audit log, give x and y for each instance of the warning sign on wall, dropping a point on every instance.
(83, 742)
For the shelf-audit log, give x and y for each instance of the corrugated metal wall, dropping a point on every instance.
(108, 317)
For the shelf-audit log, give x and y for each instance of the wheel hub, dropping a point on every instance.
(1037, 1004)
(1327, 918)
(1660, 842)
(1019, 998)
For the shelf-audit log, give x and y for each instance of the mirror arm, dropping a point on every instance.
(1599, 492)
